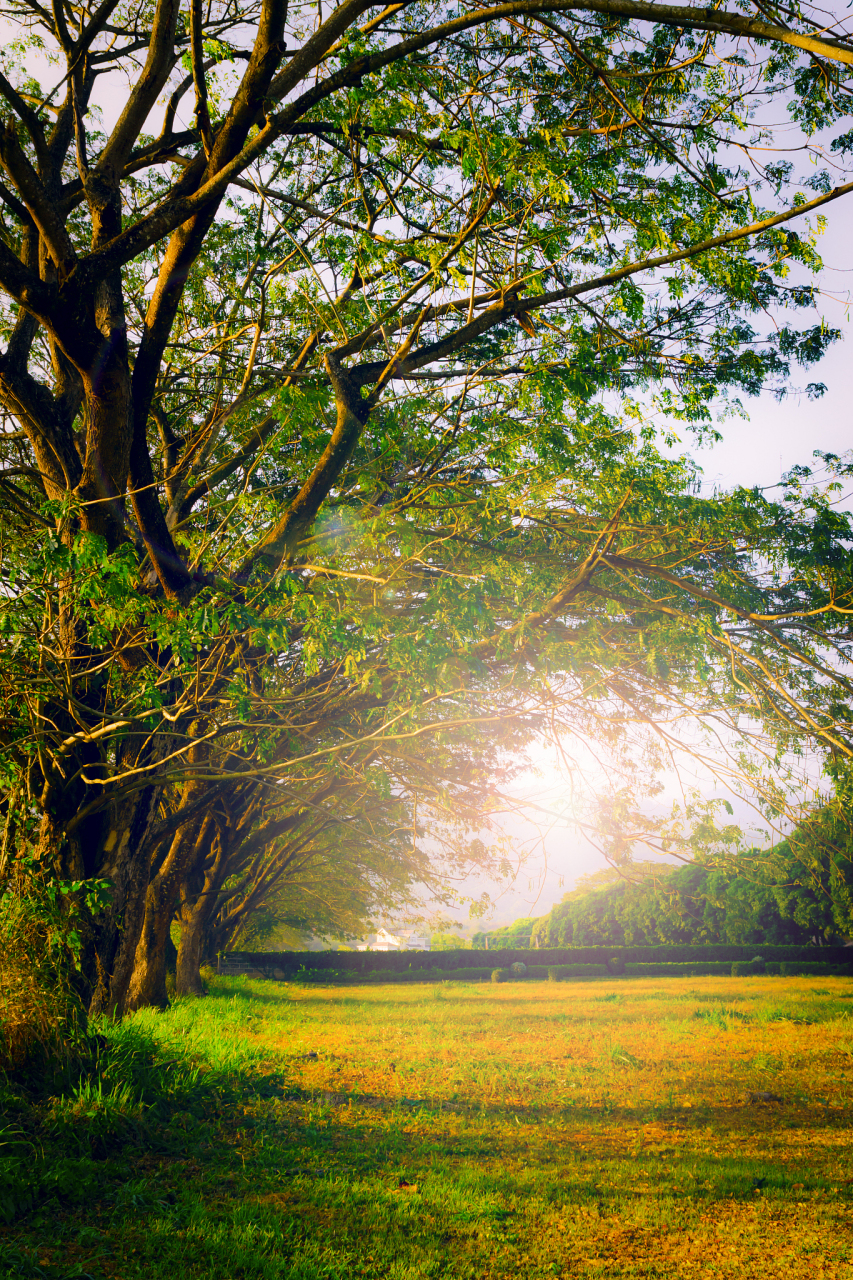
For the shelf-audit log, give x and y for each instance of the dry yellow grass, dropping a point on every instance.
(631, 1044)
(629, 1114)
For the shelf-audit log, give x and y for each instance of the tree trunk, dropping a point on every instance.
(147, 987)
(148, 982)
(109, 845)
(198, 905)
(188, 975)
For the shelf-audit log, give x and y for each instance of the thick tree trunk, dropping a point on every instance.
(198, 906)
(147, 986)
(129, 869)
(110, 845)
(188, 974)
(148, 982)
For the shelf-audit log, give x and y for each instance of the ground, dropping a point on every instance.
(598, 1128)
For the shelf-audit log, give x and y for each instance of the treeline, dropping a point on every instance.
(798, 893)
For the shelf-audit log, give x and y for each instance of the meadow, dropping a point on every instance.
(676, 1127)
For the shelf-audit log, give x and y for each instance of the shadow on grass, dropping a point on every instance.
(163, 1167)
(273, 1191)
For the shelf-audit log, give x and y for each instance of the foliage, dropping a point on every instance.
(276, 1143)
(309, 484)
(517, 934)
(43, 1026)
(449, 942)
(559, 972)
(796, 892)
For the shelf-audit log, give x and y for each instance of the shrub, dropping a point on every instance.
(500, 975)
(693, 959)
(749, 968)
(801, 968)
(699, 968)
(42, 1021)
(773, 966)
(557, 972)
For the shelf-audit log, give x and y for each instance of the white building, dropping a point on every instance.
(401, 940)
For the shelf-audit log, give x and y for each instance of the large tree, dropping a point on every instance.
(305, 459)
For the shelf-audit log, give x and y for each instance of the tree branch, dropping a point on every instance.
(144, 94)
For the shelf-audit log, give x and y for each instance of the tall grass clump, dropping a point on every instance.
(42, 1020)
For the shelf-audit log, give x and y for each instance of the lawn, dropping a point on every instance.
(676, 1127)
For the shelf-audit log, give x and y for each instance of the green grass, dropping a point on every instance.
(606, 1129)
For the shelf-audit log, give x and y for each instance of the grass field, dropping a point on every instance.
(615, 1128)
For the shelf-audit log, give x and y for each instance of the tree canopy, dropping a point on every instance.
(798, 892)
(310, 473)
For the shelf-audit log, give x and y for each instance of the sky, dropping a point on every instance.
(779, 434)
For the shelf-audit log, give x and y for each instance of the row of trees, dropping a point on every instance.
(800, 892)
(315, 513)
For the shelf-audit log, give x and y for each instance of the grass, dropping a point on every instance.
(618, 1128)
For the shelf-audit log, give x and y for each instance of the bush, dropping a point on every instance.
(706, 968)
(42, 1021)
(501, 975)
(694, 959)
(773, 966)
(558, 972)
(802, 968)
(750, 968)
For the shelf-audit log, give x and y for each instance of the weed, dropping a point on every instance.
(95, 1119)
(622, 1056)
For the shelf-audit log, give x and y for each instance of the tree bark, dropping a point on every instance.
(188, 974)
(147, 986)
(126, 864)
(148, 981)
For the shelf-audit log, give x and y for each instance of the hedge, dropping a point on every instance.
(799, 968)
(422, 966)
(699, 969)
(558, 972)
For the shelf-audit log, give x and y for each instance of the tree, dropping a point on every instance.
(304, 461)
(753, 899)
(325, 864)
